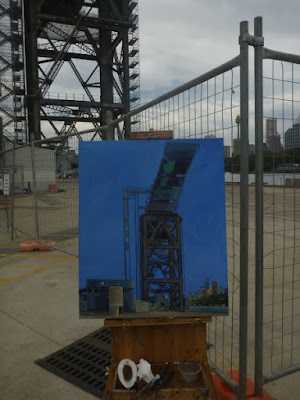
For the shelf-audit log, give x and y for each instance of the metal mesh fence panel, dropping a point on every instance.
(42, 200)
(58, 198)
(281, 330)
(5, 199)
(210, 110)
(206, 108)
(24, 212)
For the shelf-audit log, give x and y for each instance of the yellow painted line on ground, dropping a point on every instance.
(7, 246)
(19, 266)
(10, 280)
(27, 255)
(61, 234)
(7, 239)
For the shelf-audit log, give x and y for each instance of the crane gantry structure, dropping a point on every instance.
(159, 232)
(87, 50)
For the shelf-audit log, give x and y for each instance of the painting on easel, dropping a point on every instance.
(152, 228)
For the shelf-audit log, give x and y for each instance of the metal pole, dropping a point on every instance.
(6, 192)
(110, 134)
(32, 68)
(281, 374)
(244, 163)
(1, 135)
(13, 194)
(37, 233)
(233, 385)
(259, 206)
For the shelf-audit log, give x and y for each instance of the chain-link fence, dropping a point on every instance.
(43, 198)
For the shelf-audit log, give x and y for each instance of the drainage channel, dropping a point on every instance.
(83, 362)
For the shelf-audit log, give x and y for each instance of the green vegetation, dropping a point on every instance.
(271, 161)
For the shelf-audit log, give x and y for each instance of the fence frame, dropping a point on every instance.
(242, 61)
(244, 213)
(262, 53)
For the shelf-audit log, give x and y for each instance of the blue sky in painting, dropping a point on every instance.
(106, 168)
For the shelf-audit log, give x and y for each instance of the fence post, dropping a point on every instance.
(5, 193)
(1, 136)
(36, 214)
(110, 131)
(12, 222)
(244, 171)
(259, 204)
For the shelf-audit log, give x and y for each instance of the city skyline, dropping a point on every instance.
(273, 140)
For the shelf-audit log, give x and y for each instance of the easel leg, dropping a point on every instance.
(210, 381)
(109, 384)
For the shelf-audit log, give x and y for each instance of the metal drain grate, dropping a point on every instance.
(83, 363)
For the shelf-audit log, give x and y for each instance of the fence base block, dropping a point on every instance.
(226, 393)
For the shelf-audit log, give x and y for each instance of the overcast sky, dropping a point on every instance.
(180, 40)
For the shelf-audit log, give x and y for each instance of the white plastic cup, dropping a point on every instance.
(189, 370)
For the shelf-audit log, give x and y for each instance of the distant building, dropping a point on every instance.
(236, 147)
(275, 144)
(292, 135)
(210, 136)
(271, 128)
(251, 149)
(226, 151)
(272, 138)
(20, 168)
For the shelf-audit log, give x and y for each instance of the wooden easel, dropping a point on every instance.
(161, 341)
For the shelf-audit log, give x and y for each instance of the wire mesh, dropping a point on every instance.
(5, 199)
(210, 110)
(44, 192)
(50, 212)
(58, 204)
(281, 216)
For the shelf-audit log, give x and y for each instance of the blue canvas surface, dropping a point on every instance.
(106, 168)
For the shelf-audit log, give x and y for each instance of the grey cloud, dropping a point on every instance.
(180, 40)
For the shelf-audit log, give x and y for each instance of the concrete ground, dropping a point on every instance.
(38, 316)
(39, 298)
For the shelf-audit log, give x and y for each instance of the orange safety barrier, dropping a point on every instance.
(226, 393)
(8, 207)
(43, 247)
(2, 201)
(32, 246)
(53, 188)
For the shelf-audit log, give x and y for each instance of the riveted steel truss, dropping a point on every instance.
(85, 50)
(161, 261)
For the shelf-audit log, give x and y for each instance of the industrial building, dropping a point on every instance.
(20, 166)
